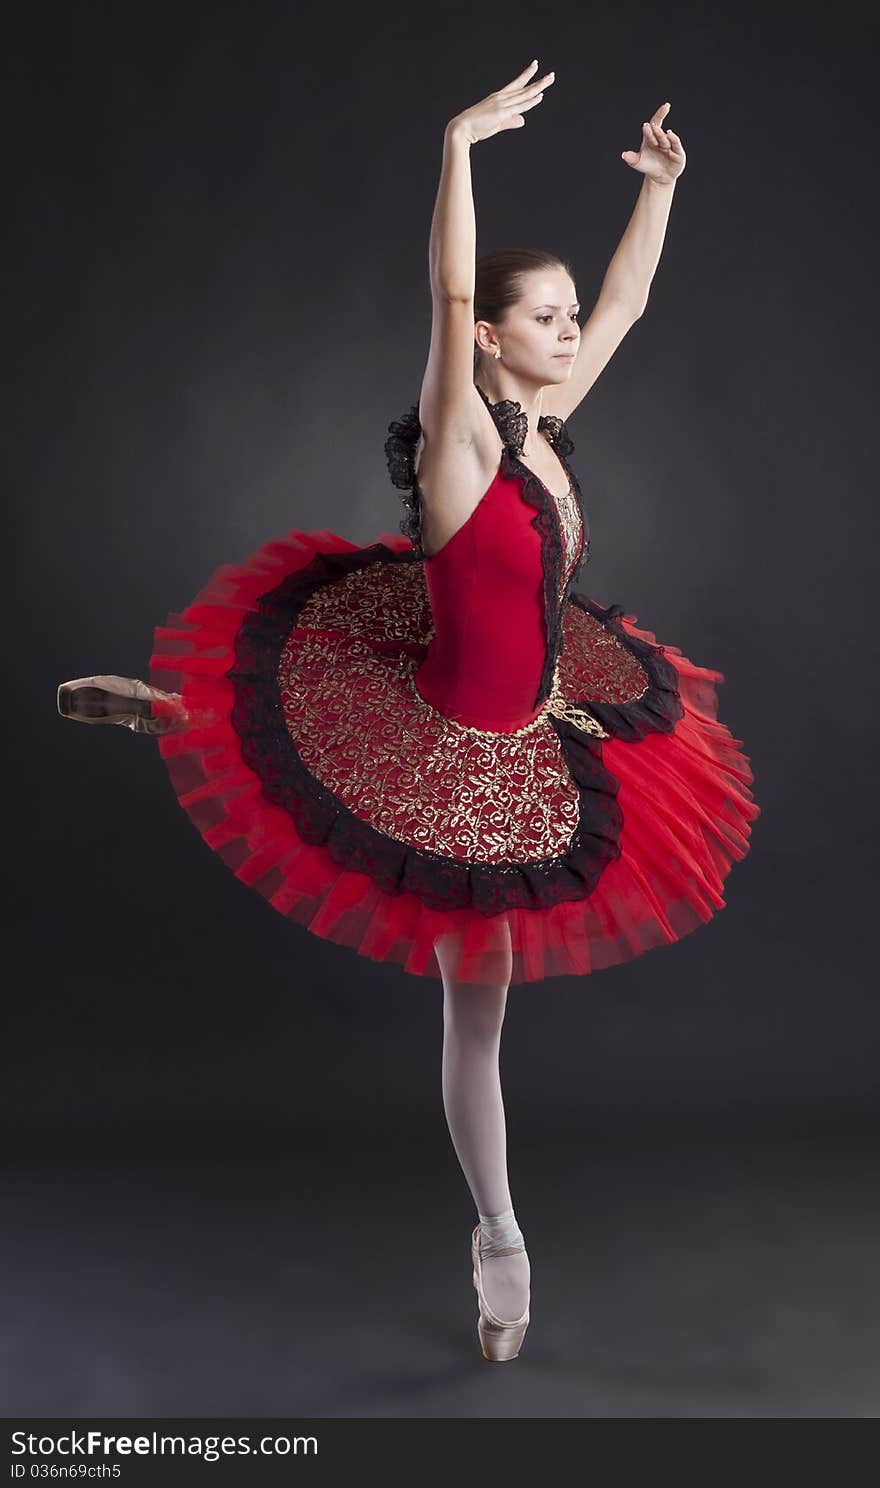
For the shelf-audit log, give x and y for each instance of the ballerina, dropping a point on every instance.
(434, 750)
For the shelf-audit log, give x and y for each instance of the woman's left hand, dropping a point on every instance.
(662, 156)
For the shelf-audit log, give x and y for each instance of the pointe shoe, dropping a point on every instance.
(87, 700)
(498, 1339)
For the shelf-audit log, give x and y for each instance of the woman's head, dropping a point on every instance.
(525, 306)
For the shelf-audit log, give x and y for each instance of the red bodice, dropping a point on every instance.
(488, 592)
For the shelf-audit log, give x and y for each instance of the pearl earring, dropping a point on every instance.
(497, 355)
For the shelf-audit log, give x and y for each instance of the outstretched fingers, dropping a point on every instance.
(517, 89)
(518, 81)
(654, 135)
(653, 131)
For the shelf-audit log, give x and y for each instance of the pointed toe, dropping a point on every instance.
(125, 701)
(499, 1340)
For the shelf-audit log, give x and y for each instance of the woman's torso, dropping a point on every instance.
(485, 567)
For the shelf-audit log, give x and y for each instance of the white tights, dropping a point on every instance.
(473, 1015)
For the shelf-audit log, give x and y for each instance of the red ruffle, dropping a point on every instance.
(685, 797)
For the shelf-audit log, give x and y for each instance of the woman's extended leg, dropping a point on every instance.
(108, 699)
(473, 1014)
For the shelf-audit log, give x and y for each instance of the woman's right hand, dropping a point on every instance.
(501, 110)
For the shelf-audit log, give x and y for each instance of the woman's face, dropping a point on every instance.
(538, 329)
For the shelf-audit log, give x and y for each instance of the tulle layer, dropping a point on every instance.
(685, 796)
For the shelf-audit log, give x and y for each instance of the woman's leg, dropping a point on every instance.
(100, 702)
(128, 701)
(473, 1014)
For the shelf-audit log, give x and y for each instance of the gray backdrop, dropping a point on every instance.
(219, 300)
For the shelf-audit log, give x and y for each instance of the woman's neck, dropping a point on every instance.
(528, 402)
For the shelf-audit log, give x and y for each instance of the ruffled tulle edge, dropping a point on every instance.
(686, 798)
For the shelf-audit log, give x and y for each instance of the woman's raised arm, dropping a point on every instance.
(453, 243)
(448, 397)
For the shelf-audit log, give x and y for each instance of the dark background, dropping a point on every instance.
(229, 1181)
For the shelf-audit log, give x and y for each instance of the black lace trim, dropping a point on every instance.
(659, 708)
(321, 818)
(513, 427)
(400, 453)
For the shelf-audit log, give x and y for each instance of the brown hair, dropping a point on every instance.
(498, 282)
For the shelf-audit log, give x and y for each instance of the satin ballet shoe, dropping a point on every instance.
(499, 1340)
(97, 700)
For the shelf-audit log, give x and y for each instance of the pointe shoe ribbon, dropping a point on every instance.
(499, 1340)
(86, 699)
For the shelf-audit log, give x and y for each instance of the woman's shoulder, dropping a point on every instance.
(404, 433)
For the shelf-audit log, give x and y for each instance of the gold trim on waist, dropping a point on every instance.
(556, 704)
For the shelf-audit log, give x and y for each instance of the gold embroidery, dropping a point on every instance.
(595, 666)
(581, 719)
(364, 732)
(380, 602)
(570, 522)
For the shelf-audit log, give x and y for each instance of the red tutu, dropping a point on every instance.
(327, 782)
